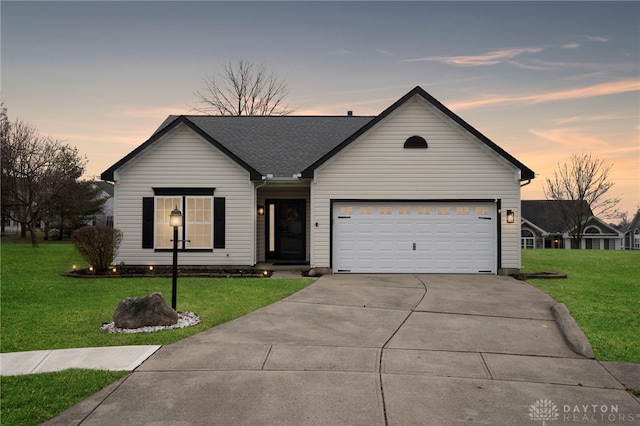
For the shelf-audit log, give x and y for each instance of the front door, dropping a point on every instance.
(286, 234)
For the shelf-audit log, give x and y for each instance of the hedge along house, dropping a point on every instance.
(414, 189)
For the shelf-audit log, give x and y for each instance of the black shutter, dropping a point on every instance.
(218, 222)
(147, 222)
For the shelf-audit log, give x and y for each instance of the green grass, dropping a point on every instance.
(40, 309)
(602, 291)
(35, 398)
(43, 310)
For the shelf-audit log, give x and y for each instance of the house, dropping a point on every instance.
(105, 216)
(632, 233)
(414, 189)
(543, 226)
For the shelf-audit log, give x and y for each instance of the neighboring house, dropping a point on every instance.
(414, 189)
(105, 216)
(543, 227)
(632, 233)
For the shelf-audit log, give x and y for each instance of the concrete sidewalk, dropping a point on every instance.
(121, 358)
(376, 350)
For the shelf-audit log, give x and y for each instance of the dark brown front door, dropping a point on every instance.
(285, 233)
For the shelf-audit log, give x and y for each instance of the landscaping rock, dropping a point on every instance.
(137, 312)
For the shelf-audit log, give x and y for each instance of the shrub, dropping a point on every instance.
(98, 245)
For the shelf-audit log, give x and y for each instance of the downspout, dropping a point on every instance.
(526, 183)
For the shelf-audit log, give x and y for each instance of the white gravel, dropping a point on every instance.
(185, 319)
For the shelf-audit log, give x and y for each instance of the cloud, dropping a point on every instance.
(592, 118)
(597, 38)
(341, 52)
(490, 58)
(609, 88)
(384, 52)
(528, 67)
(571, 45)
(574, 138)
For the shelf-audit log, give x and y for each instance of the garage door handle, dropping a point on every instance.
(414, 246)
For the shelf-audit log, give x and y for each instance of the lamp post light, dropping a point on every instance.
(175, 220)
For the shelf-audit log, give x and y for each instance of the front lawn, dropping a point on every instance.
(602, 291)
(42, 310)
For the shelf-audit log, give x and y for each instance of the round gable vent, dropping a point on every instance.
(415, 142)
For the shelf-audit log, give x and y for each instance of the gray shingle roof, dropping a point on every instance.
(277, 145)
(547, 214)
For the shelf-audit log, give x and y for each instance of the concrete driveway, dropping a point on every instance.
(375, 350)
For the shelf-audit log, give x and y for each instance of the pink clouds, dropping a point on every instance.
(602, 89)
(490, 58)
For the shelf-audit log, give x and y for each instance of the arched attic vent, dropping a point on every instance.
(415, 142)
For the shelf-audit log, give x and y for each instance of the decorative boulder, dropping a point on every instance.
(148, 311)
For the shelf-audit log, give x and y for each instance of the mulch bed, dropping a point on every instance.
(167, 271)
(543, 274)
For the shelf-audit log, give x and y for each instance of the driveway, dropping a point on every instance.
(375, 350)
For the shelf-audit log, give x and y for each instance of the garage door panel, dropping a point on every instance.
(415, 237)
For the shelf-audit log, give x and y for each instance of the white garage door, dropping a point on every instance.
(396, 237)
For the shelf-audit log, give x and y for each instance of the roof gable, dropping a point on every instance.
(634, 224)
(281, 146)
(604, 227)
(525, 172)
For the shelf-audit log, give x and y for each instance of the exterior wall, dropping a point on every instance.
(615, 243)
(454, 166)
(280, 191)
(184, 159)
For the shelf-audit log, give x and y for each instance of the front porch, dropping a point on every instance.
(283, 224)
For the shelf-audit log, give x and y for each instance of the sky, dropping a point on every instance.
(543, 80)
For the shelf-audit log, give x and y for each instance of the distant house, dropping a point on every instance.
(105, 216)
(414, 189)
(543, 226)
(632, 233)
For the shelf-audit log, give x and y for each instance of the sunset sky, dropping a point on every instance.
(543, 80)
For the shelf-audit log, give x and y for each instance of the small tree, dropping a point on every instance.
(585, 181)
(98, 245)
(243, 88)
(36, 169)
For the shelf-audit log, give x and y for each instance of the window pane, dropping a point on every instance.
(164, 232)
(199, 223)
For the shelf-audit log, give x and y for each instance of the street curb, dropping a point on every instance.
(571, 331)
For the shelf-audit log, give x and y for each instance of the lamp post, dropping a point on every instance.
(175, 220)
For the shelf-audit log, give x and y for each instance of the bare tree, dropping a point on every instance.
(583, 183)
(36, 170)
(243, 88)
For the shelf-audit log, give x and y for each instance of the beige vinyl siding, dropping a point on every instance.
(183, 159)
(281, 191)
(454, 166)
